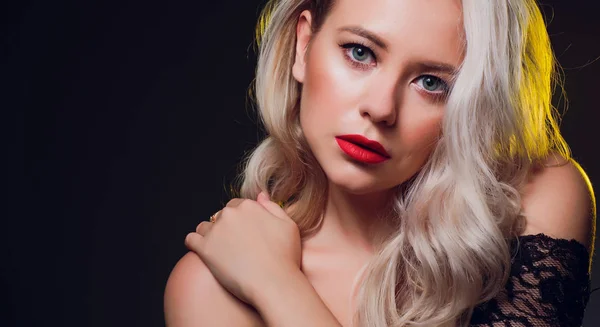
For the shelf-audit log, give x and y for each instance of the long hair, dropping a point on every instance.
(454, 219)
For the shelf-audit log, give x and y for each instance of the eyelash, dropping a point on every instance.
(349, 46)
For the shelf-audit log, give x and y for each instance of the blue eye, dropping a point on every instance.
(358, 54)
(432, 84)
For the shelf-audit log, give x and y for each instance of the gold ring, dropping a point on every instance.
(213, 218)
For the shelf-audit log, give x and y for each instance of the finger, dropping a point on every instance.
(271, 206)
(204, 227)
(194, 242)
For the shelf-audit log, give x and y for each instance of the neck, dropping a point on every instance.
(353, 221)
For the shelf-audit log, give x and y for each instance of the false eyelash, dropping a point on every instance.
(358, 44)
(434, 96)
(441, 95)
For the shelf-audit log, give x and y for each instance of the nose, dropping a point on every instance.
(380, 103)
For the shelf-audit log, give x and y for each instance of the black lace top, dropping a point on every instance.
(549, 286)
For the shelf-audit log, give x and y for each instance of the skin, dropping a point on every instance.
(384, 100)
(380, 94)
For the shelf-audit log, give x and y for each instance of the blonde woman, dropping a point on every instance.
(423, 177)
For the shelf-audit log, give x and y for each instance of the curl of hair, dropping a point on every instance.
(454, 219)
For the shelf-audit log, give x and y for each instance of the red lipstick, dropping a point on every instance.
(362, 149)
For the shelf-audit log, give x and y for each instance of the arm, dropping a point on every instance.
(559, 201)
(194, 298)
(291, 301)
(253, 251)
(549, 283)
(548, 286)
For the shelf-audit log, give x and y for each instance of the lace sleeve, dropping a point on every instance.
(549, 286)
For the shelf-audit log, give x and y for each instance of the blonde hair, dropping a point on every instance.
(454, 219)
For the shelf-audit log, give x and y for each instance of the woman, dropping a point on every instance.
(424, 177)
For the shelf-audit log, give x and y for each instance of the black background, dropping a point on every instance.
(127, 119)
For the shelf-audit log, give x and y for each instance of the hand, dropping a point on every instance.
(251, 244)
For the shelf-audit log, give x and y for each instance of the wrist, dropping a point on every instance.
(289, 300)
(272, 285)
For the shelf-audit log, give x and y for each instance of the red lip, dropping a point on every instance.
(362, 149)
(365, 143)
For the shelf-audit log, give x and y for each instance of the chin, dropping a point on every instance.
(357, 183)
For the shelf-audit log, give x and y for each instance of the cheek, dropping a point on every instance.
(421, 132)
(326, 88)
(418, 134)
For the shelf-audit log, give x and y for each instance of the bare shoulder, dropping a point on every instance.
(193, 297)
(558, 201)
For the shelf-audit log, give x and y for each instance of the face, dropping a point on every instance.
(380, 69)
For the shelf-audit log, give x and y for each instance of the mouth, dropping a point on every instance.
(362, 149)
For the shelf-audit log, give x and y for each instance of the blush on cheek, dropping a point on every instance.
(424, 134)
(322, 94)
(327, 75)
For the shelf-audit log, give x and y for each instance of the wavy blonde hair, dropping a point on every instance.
(454, 219)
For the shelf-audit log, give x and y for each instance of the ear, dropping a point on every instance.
(303, 35)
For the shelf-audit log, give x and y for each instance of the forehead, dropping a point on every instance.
(426, 27)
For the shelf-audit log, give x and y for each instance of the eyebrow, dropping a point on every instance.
(438, 67)
(427, 65)
(366, 34)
